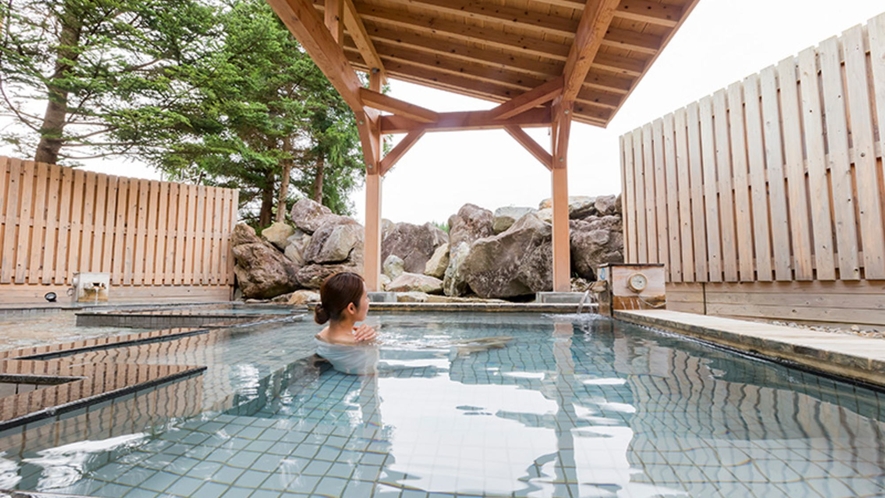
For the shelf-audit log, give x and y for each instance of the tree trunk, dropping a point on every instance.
(265, 216)
(318, 179)
(284, 182)
(52, 130)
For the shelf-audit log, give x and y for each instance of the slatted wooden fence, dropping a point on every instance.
(776, 179)
(156, 239)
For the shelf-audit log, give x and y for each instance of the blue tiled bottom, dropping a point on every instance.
(570, 407)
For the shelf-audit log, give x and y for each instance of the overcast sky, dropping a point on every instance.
(721, 42)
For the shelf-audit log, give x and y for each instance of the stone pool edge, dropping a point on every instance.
(852, 358)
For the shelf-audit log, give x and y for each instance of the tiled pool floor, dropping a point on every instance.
(571, 407)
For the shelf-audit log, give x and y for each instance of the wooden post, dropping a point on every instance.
(372, 239)
(561, 253)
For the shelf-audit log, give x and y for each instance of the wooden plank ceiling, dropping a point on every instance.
(500, 49)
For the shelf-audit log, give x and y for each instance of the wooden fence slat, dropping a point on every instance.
(876, 33)
(742, 218)
(87, 244)
(151, 277)
(838, 160)
(180, 231)
(35, 265)
(4, 183)
(227, 221)
(794, 168)
(191, 237)
(682, 171)
(74, 248)
(711, 203)
(222, 236)
(64, 225)
(200, 240)
(725, 175)
(642, 251)
(698, 211)
(120, 232)
(648, 167)
(110, 225)
(163, 226)
(234, 209)
(780, 228)
(26, 201)
(628, 198)
(50, 243)
(100, 210)
(213, 222)
(758, 187)
(818, 186)
(860, 115)
(675, 246)
(141, 233)
(13, 187)
(663, 239)
(131, 231)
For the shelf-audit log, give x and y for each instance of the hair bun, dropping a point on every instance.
(320, 315)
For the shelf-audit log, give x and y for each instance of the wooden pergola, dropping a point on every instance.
(546, 62)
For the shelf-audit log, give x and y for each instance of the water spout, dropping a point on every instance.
(584, 299)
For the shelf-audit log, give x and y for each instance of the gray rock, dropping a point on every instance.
(312, 276)
(514, 263)
(277, 234)
(386, 228)
(309, 216)
(579, 206)
(384, 281)
(414, 244)
(437, 264)
(469, 224)
(595, 241)
(454, 283)
(546, 215)
(413, 282)
(411, 297)
(505, 217)
(336, 243)
(262, 271)
(607, 205)
(297, 243)
(393, 266)
(303, 296)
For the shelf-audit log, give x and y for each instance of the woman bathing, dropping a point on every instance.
(344, 302)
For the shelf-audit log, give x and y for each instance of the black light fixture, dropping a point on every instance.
(50, 296)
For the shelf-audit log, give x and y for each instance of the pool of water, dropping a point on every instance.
(571, 406)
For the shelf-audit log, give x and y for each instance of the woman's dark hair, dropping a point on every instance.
(336, 293)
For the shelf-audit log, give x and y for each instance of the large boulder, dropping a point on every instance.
(579, 206)
(469, 224)
(309, 215)
(312, 276)
(454, 283)
(296, 245)
(393, 266)
(414, 244)
(303, 296)
(336, 242)
(261, 270)
(505, 217)
(514, 263)
(595, 241)
(412, 282)
(277, 234)
(437, 264)
(607, 205)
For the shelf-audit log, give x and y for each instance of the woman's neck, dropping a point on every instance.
(341, 328)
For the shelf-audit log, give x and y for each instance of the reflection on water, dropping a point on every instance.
(570, 406)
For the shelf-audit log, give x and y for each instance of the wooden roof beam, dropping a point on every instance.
(360, 36)
(630, 40)
(594, 23)
(530, 99)
(469, 120)
(333, 17)
(400, 150)
(650, 12)
(396, 106)
(530, 145)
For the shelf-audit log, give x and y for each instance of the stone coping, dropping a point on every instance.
(488, 307)
(859, 359)
(71, 384)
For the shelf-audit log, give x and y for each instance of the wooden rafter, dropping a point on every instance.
(470, 120)
(387, 103)
(629, 40)
(592, 28)
(400, 150)
(332, 16)
(531, 145)
(533, 98)
(650, 12)
(361, 40)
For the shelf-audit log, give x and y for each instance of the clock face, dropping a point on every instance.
(637, 282)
